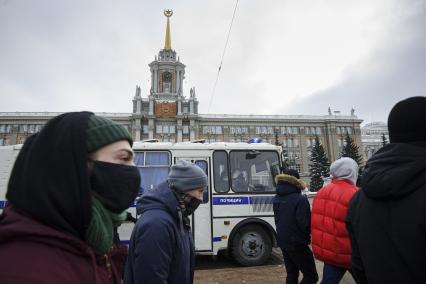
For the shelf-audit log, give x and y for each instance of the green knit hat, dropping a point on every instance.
(102, 131)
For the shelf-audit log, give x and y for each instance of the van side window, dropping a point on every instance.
(203, 165)
(153, 168)
(220, 171)
(253, 171)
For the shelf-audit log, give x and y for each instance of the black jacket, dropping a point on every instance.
(386, 219)
(161, 248)
(292, 213)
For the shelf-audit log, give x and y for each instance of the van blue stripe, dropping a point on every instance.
(217, 239)
(261, 199)
(241, 200)
(232, 200)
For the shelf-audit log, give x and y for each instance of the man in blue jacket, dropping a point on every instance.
(161, 247)
(293, 222)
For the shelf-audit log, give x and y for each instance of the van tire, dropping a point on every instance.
(251, 246)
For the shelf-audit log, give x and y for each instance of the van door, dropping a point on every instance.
(201, 219)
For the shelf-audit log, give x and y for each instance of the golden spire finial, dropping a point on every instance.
(168, 43)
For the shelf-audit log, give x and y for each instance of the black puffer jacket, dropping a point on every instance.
(387, 217)
(292, 213)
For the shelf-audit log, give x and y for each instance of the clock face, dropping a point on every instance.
(167, 76)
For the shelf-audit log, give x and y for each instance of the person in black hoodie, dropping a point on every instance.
(70, 185)
(386, 219)
(161, 248)
(293, 223)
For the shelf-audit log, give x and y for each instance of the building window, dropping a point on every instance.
(318, 130)
(212, 129)
(165, 128)
(145, 128)
(159, 128)
(307, 131)
(238, 130)
(185, 129)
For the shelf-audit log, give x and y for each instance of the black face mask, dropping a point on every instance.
(117, 185)
(191, 204)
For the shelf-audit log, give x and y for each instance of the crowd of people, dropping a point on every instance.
(73, 181)
(376, 232)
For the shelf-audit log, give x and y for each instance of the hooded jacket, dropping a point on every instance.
(161, 248)
(330, 240)
(387, 217)
(31, 252)
(292, 213)
(42, 230)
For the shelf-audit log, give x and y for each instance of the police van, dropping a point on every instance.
(236, 214)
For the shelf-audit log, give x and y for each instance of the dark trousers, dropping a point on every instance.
(333, 274)
(300, 259)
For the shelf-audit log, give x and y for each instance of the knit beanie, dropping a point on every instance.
(185, 176)
(344, 168)
(407, 120)
(102, 131)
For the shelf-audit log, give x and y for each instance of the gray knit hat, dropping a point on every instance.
(102, 131)
(185, 176)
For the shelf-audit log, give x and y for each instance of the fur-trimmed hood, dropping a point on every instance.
(283, 178)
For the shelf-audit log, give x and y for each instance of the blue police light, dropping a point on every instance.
(255, 140)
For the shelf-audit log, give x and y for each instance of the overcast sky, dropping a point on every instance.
(283, 57)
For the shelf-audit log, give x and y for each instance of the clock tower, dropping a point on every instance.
(166, 115)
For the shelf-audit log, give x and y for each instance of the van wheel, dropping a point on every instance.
(251, 246)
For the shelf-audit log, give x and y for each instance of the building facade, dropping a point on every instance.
(166, 114)
(372, 137)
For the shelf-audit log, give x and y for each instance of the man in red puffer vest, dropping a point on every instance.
(330, 239)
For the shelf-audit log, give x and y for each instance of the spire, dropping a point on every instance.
(168, 41)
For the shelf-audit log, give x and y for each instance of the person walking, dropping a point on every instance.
(330, 239)
(70, 185)
(161, 246)
(387, 216)
(292, 221)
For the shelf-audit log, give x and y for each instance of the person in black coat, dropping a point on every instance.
(161, 247)
(293, 223)
(387, 216)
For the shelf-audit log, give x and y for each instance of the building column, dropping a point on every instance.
(151, 128)
(179, 105)
(179, 130)
(304, 153)
(155, 71)
(192, 130)
(138, 130)
(139, 106)
(151, 105)
(191, 106)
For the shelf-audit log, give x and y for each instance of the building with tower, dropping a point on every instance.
(167, 114)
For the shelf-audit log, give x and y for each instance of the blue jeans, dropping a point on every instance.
(332, 274)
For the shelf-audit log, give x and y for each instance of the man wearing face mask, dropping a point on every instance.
(70, 186)
(161, 247)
